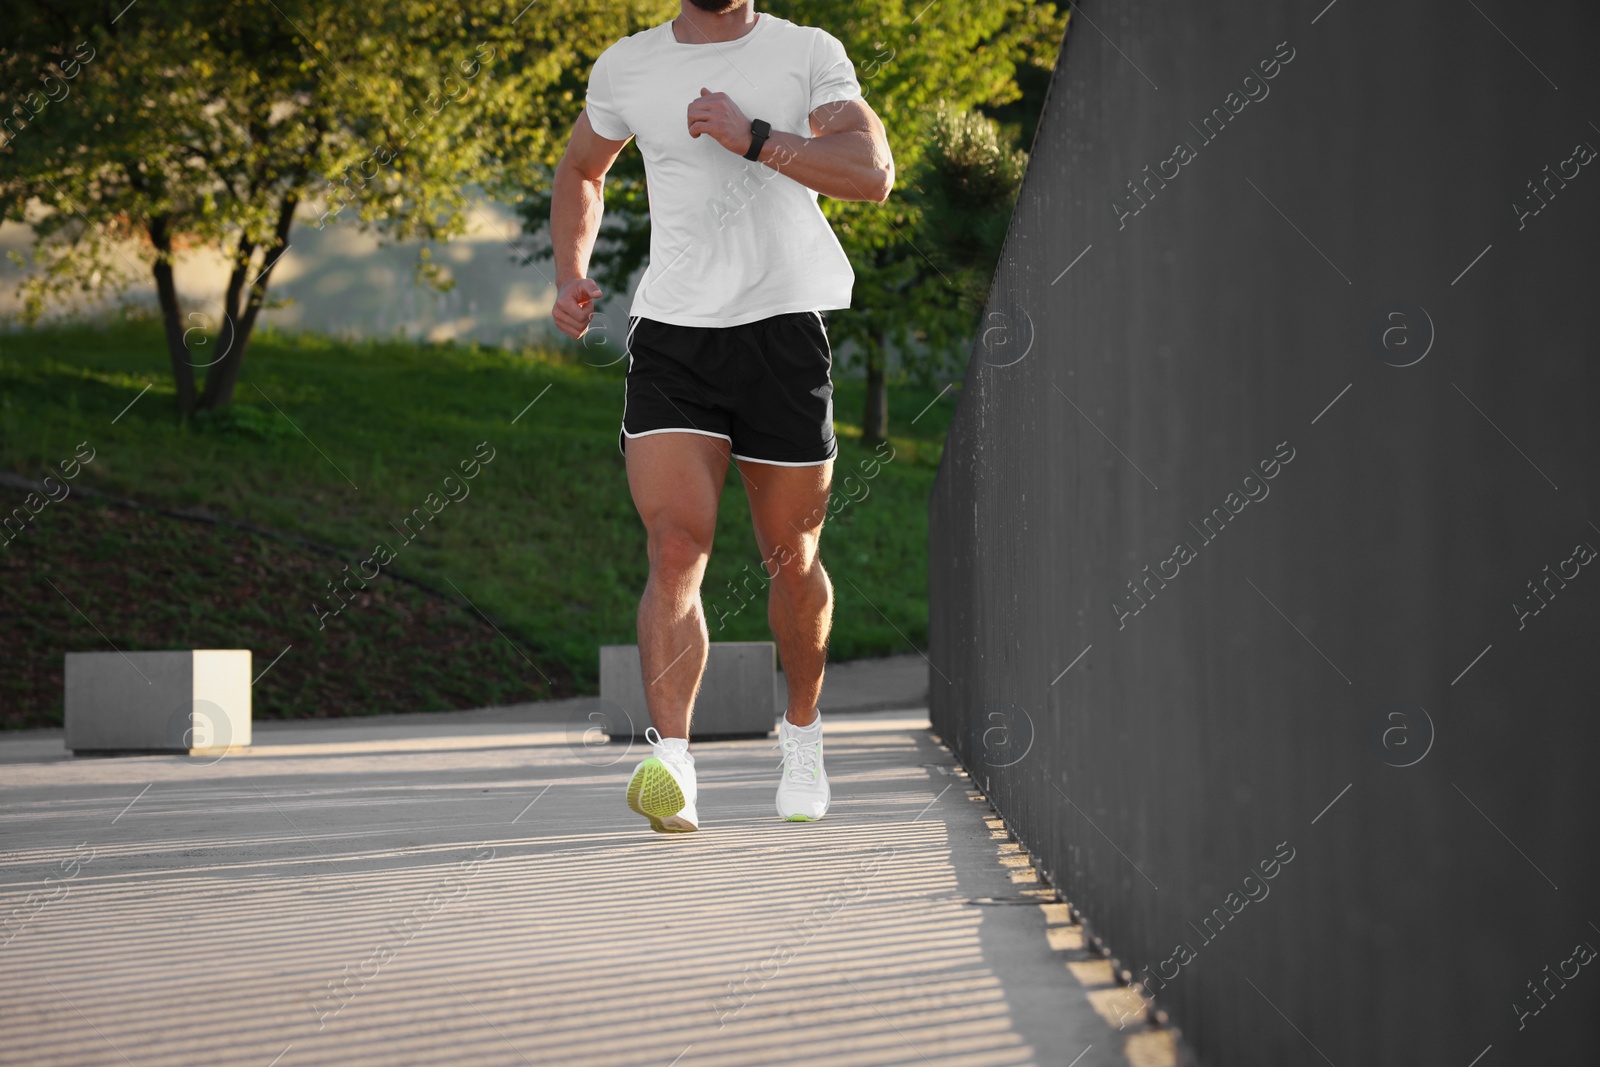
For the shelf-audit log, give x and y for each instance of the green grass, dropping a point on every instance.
(335, 442)
(86, 576)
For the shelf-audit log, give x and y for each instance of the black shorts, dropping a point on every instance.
(765, 387)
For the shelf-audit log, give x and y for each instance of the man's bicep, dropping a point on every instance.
(590, 154)
(845, 116)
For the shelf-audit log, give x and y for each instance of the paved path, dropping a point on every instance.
(445, 891)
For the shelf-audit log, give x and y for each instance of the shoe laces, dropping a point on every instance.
(800, 758)
(677, 756)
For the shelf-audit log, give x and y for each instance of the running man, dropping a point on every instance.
(743, 119)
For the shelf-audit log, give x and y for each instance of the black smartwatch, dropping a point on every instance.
(760, 130)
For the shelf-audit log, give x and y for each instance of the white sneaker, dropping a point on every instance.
(803, 790)
(663, 787)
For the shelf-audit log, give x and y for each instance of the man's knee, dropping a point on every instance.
(796, 566)
(677, 550)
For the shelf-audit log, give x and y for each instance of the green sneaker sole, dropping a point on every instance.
(655, 794)
(801, 818)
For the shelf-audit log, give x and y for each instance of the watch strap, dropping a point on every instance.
(760, 130)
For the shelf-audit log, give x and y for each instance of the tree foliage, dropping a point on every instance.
(623, 243)
(209, 123)
(965, 191)
(917, 61)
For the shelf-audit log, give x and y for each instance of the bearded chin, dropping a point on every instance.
(717, 7)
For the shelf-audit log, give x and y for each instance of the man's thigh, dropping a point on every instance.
(787, 507)
(676, 480)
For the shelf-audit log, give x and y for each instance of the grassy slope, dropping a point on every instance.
(547, 542)
(143, 580)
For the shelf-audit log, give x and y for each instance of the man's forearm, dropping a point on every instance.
(576, 204)
(848, 165)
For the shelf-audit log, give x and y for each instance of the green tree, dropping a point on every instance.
(965, 191)
(197, 123)
(623, 243)
(916, 62)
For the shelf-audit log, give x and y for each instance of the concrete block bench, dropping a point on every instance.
(738, 694)
(189, 702)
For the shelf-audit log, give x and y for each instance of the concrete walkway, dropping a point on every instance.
(438, 890)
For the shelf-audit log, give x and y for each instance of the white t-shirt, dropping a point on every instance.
(731, 241)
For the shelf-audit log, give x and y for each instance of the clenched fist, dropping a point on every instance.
(716, 114)
(574, 308)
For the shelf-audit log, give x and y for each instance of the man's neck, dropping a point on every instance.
(694, 26)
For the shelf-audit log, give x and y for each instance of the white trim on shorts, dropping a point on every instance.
(628, 351)
(783, 463)
(674, 429)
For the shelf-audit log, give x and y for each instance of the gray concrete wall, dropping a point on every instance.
(1346, 280)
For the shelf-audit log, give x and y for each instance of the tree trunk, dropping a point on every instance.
(224, 374)
(172, 316)
(242, 255)
(875, 420)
